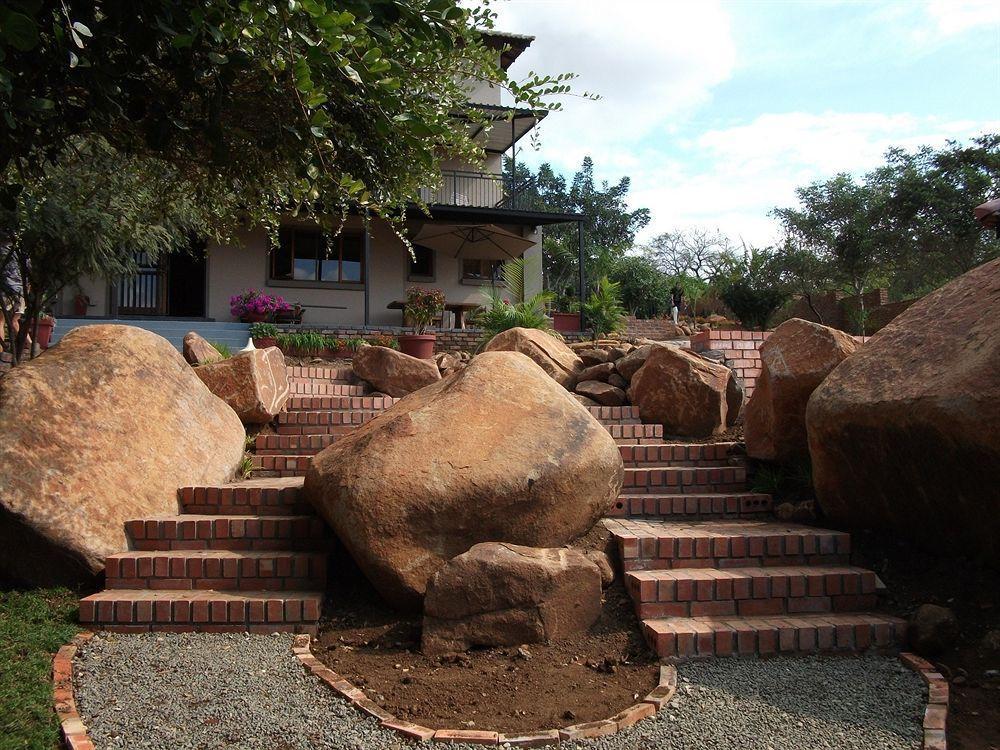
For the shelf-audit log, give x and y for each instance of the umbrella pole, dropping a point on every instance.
(583, 278)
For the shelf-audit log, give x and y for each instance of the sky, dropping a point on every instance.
(719, 110)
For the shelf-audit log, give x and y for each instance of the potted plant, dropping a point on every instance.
(384, 339)
(41, 331)
(566, 315)
(422, 306)
(264, 335)
(254, 306)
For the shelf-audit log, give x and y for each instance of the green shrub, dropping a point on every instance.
(501, 314)
(304, 342)
(263, 330)
(223, 349)
(603, 311)
(751, 286)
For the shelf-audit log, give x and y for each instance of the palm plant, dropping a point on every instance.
(510, 309)
(603, 310)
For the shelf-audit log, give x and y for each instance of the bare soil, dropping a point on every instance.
(515, 689)
(972, 592)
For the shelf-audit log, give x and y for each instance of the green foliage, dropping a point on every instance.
(751, 286)
(89, 213)
(423, 305)
(610, 227)
(791, 482)
(274, 104)
(354, 343)
(500, 313)
(263, 330)
(302, 342)
(645, 290)
(223, 349)
(33, 625)
(603, 312)
(245, 469)
(384, 339)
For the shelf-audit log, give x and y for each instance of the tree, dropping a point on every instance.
(274, 105)
(930, 194)
(842, 221)
(750, 285)
(610, 229)
(603, 311)
(645, 290)
(804, 273)
(694, 251)
(89, 213)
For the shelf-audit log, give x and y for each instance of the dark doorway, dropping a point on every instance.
(186, 284)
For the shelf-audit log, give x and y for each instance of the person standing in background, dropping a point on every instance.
(676, 300)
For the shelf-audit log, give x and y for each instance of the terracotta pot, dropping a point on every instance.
(566, 322)
(419, 346)
(265, 342)
(253, 317)
(43, 334)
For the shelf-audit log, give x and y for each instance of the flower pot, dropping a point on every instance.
(265, 342)
(80, 304)
(420, 346)
(253, 317)
(566, 322)
(43, 333)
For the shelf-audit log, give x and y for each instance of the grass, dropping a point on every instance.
(33, 625)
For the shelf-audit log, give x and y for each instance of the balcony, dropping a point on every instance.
(483, 190)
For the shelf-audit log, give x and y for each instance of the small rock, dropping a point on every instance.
(932, 630)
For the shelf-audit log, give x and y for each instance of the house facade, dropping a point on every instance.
(358, 277)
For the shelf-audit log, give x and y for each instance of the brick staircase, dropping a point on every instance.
(248, 556)
(710, 572)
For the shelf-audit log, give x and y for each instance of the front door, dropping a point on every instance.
(145, 293)
(173, 286)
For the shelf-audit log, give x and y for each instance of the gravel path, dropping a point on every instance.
(205, 692)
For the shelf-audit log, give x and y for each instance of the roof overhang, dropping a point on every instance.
(505, 126)
(510, 45)
(475, 215)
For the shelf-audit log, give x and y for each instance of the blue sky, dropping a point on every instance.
(719, 110)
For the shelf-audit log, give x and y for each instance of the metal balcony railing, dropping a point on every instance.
(481, 190)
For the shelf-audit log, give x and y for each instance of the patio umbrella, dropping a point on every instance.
(988, 214)
(468, 238)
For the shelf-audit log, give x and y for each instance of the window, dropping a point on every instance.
(480, 269)
(421, 264)
(308, 255)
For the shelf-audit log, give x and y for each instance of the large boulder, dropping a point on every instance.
(905, 433)
(499, 594)
(392, 372)
(628, 365)
(603, 393)
(685, 393)
(794, 361)
(497, 452)
(254, 383)
(100, 429)
(199, 351)
(551, 354)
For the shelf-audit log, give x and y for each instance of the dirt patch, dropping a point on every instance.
(539, 686)
(972, 591)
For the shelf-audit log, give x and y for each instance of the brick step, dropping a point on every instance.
(751, 592)
(128, 610)
(692, 506)
(636, 434)
(646, 544)
(218, 570)
(316, 429)
(252, 497)
(284, 466)
(324, 388)
(684, 479)
(318, 372)
(289, 445)
(690, 637)
(678, 454)
(339, 403)
(337, 418)
(616, 413)
(223, 532)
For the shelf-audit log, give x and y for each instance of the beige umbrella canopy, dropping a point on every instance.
(988, 214)
(472, 240)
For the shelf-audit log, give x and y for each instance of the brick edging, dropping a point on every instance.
(71, 726)
(936, 713)
(649, 705)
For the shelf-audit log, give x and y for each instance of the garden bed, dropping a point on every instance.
(510, 689)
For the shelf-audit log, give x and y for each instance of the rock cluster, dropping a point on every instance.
(392, 372)
(480, 456)
(100, 429)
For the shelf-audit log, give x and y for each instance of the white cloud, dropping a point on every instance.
(730, 178)
(952, 17)
(649, 60)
